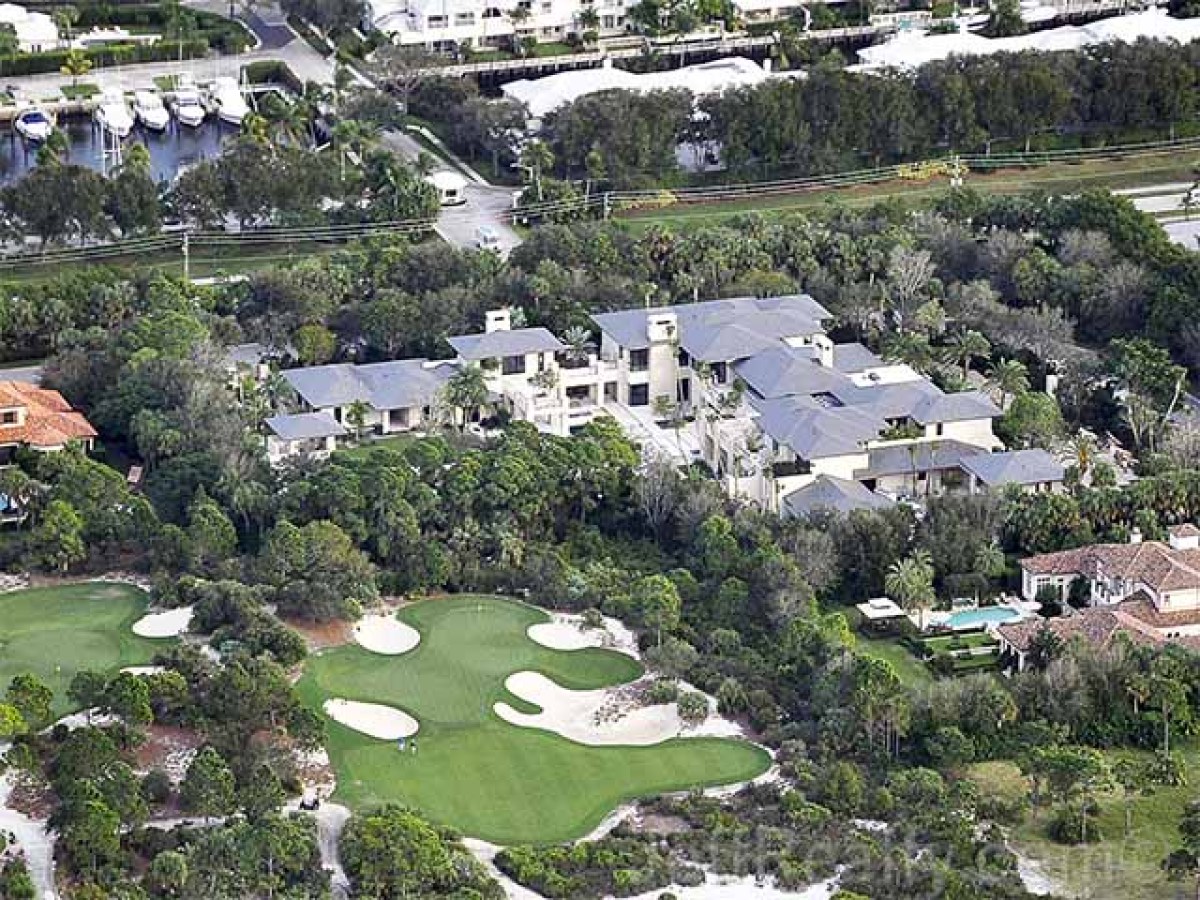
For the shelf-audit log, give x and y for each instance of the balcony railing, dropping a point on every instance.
(793, 467)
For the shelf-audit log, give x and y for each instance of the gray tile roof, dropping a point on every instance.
(722, 330)
(956, 408)
(836, 494)
(783, 371)
(854, 358)
(812, 431)
(304, 426)
(908, 458)
(1014, 467)
(323, 387)
(496, 344)
(897, 401)
(400, 384)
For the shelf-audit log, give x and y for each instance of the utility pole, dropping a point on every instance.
(187, 268)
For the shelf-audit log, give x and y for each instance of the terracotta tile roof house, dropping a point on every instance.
(1117, 571)
(42, 419)
(1147, 590)
(1098, 626)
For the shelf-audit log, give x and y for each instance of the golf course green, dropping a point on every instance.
(476, 773)
(55, 632)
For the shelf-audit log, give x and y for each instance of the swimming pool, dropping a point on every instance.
(985, 615)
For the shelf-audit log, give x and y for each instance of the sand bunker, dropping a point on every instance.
(144, 670)
(567, 632)
(171, 623)
(386, 635)
(595, 718)
(372, 719)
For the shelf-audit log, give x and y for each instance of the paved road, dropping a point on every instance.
(277, 42)
(487, 205)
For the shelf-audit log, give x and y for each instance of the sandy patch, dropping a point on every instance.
(372, 719)
(171, 623)
(715, 887)
(386, 635)
(566, 631)
(729, 887)
(596, 718)
(144, 670)
(30, 836)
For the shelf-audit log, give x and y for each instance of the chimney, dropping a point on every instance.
(497, 320)
(824, 350)
(1135, 535)
(1185, 537)
(662, 326)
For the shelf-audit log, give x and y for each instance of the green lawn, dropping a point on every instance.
(80, 91)
(55, 632)
(910, 669)
(1058, 177)
(393, 442)
(960, 642)
(475, 772)
(1119, 867)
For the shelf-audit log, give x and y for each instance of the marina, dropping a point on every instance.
(171, 150)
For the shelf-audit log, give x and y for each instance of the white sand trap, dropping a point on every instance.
(372, 719)
(588, 717)
(386, 635)
(171, 623)
(144, 670)
(565, 631)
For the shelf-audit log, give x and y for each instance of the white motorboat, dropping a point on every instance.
(149, 110)
(113, 115)
(188, 107)
(33, 124)
(227, 100)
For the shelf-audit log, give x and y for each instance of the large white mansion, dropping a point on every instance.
(753, 388)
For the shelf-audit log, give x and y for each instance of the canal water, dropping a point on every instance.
(172, 150)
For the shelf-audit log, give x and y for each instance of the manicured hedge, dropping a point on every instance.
(116, 54)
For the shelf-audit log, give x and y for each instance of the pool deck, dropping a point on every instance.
(1020, 609)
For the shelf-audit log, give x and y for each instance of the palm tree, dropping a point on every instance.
(989, 560)
(464, 393)
(54, 149)
(343, 80)
(965, 347)
(579, 343)
(537, 157)
(76, 64)
(257, 128)
(353, 136)
(1083, 451)
(1010, 378)
(518, 16)
(65, 18)
(910, 583)
(356, 418)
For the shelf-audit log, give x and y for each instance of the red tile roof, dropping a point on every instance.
(49, 420)
(1157, 565)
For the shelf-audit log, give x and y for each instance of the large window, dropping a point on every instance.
(639, 360)
(513, 365)
(9, 417)
(639, 395)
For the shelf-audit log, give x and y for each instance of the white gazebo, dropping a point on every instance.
(881, 611)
